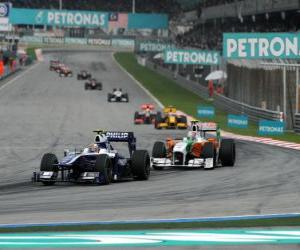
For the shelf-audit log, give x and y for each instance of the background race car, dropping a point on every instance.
(170, 120)
(147, 115)
(54, 65)
(93, 84)
(197, 150)
(117, 96)
(83, 75)
(65, 71)
(98, 163)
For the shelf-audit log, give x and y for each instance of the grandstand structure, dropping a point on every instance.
(251, 82)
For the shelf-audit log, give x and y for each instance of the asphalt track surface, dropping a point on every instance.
(41, 112)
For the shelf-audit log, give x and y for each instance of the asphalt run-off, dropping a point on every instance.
(150, 238)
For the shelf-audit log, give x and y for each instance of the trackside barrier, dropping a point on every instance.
(224, 103)
(8, 72)
(297, 123)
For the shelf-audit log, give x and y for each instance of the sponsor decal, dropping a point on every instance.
(261, 45)
(267, 127)
(118, 135)
(237, 121)
(100, 42)
(206, 111)
(125, 43)
(181, 56)
(152, 46)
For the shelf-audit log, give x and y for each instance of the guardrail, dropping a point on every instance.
(297, 123)
(220, 101)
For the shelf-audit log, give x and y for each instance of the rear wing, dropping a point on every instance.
(116, 136)
(147, 106)
(170, 110)
(208, 126)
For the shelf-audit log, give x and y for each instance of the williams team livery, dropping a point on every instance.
(98, 163)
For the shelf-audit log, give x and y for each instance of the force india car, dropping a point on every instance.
(117, 96)
(93, 84)
(195, 151)
(83, 75)
(170, 120)
(65, 71)
(95, 163)
(147, 115)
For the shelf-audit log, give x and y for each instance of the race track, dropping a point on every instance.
(41, 112)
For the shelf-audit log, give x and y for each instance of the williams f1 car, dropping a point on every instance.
(83, 75)
(93, 84)
(98, 163)
(147, 115)
(170, 120)
(198, 150)
(117, 96)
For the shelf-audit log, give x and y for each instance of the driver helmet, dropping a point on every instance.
(101, 141)
(192, 135)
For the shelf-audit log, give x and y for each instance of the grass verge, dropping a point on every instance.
(274, 222)
(170, 93)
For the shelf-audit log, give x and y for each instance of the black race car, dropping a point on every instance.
(83, 75)
(117, 96)
(93, 84)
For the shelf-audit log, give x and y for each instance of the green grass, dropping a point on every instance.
(277, 222)
(170, 93)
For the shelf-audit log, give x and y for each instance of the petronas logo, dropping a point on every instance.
(39, 17)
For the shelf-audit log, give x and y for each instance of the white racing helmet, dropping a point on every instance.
(101, 141)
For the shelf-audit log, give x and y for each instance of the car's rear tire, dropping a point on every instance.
(103, 165)
(126, 97)
(209, 151)
(158, 119)
(227, 152)
(47, 165)
(108, 97)
(140, 163)
(159, 151)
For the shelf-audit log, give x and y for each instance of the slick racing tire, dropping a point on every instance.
(47, 165)
(86, 86)
(103, 165)
(182, 119)
(136, 116)
(140, 161)
(159, 151)
(227, 152)
(108, 97)
(126, 97)
(158, 119)
(209, 152)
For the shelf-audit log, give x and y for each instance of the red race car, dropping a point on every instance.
(147, 115)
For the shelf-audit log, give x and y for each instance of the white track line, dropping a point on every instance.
(137, 82)
(18, 76)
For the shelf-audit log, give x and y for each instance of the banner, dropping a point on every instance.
(237, 121)
(123, 43)
(99, 41)
(59, 18)
(152, 46)
(261, 45)
(267, 127)
(71, 40)
(181, 56)
(208, 111)
(148, 21)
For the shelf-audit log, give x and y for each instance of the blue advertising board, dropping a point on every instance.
(182, 56)
(206, 111)
(237, 121)
(267, 127)
(58, 18)
(261, 45)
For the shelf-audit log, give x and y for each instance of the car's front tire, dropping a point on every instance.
(103, 165)
(48, 165)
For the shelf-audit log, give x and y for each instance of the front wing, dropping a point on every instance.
(207, 163)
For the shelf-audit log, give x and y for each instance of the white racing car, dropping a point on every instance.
(197, 150)
(117, 96)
